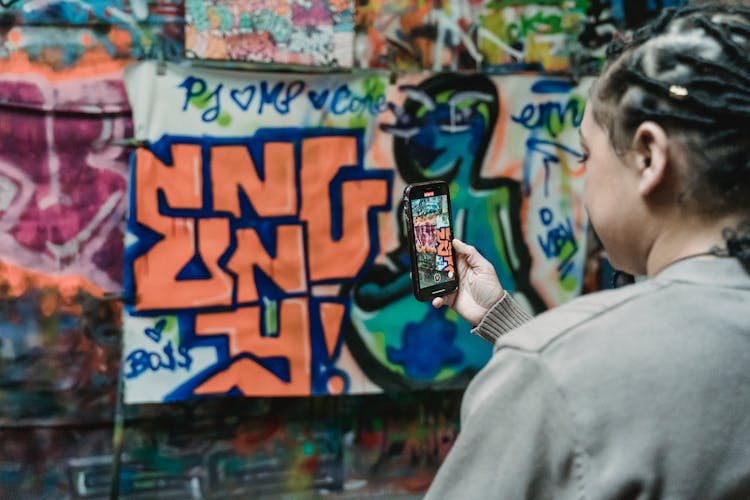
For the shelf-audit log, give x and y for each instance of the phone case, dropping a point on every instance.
(444, 254)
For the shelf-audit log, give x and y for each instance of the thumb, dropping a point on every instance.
(473, 257)
(461, 247)
(445, 300)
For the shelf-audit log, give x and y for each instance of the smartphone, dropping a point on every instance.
(429, 226)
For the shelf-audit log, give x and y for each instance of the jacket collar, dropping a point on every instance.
(707, 270)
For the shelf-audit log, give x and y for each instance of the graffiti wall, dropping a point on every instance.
(64, 33)
(356, 447)
(506, 35)
(314, 33)
(63, 184)
(470, 34)
(265, 253)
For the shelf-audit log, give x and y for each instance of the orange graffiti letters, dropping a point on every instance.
(310, 225)
(287, 269)
(243, 327)
(322, 159)
(233, 168)
(180, 183)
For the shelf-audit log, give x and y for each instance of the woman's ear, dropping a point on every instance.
(651, 145)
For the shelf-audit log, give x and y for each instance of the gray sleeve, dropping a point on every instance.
(504, 316)
(517, 438)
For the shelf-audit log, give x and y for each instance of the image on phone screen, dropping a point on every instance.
(432, 240)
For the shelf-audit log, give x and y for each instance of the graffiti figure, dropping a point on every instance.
(442, 131)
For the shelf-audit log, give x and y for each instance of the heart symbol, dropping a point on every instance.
(243, 97)
(155, 332)
(318, 100)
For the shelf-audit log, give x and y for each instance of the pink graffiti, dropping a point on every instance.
(316, 15)
(425, 237)
(62, 181)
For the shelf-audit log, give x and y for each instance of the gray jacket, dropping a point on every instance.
(640, 392)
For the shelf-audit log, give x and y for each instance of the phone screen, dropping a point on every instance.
(432, 239)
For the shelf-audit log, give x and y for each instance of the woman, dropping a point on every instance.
(643, 391)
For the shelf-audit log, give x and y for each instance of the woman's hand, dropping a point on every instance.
(478, 286)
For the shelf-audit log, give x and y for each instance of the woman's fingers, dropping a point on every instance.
(473, 258)
(445, 300)
(461, 247)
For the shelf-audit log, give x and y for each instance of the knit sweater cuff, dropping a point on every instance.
(504, 316)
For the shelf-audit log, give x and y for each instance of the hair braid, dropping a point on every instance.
(715, 68)
(689, 71)
(732, 49)
(738, 243)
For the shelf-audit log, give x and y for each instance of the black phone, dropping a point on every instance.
(429, 226)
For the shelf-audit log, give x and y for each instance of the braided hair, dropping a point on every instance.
(689, 71)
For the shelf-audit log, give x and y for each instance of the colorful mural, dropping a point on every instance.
(59, 349)
(508, 148)
(312, 247)
(470, 34)
(313, 33)
(496, 35)
(357, 447)
(264, 249)
(59, 33)
(62, 207)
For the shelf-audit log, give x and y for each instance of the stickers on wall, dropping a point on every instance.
(312, 33)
